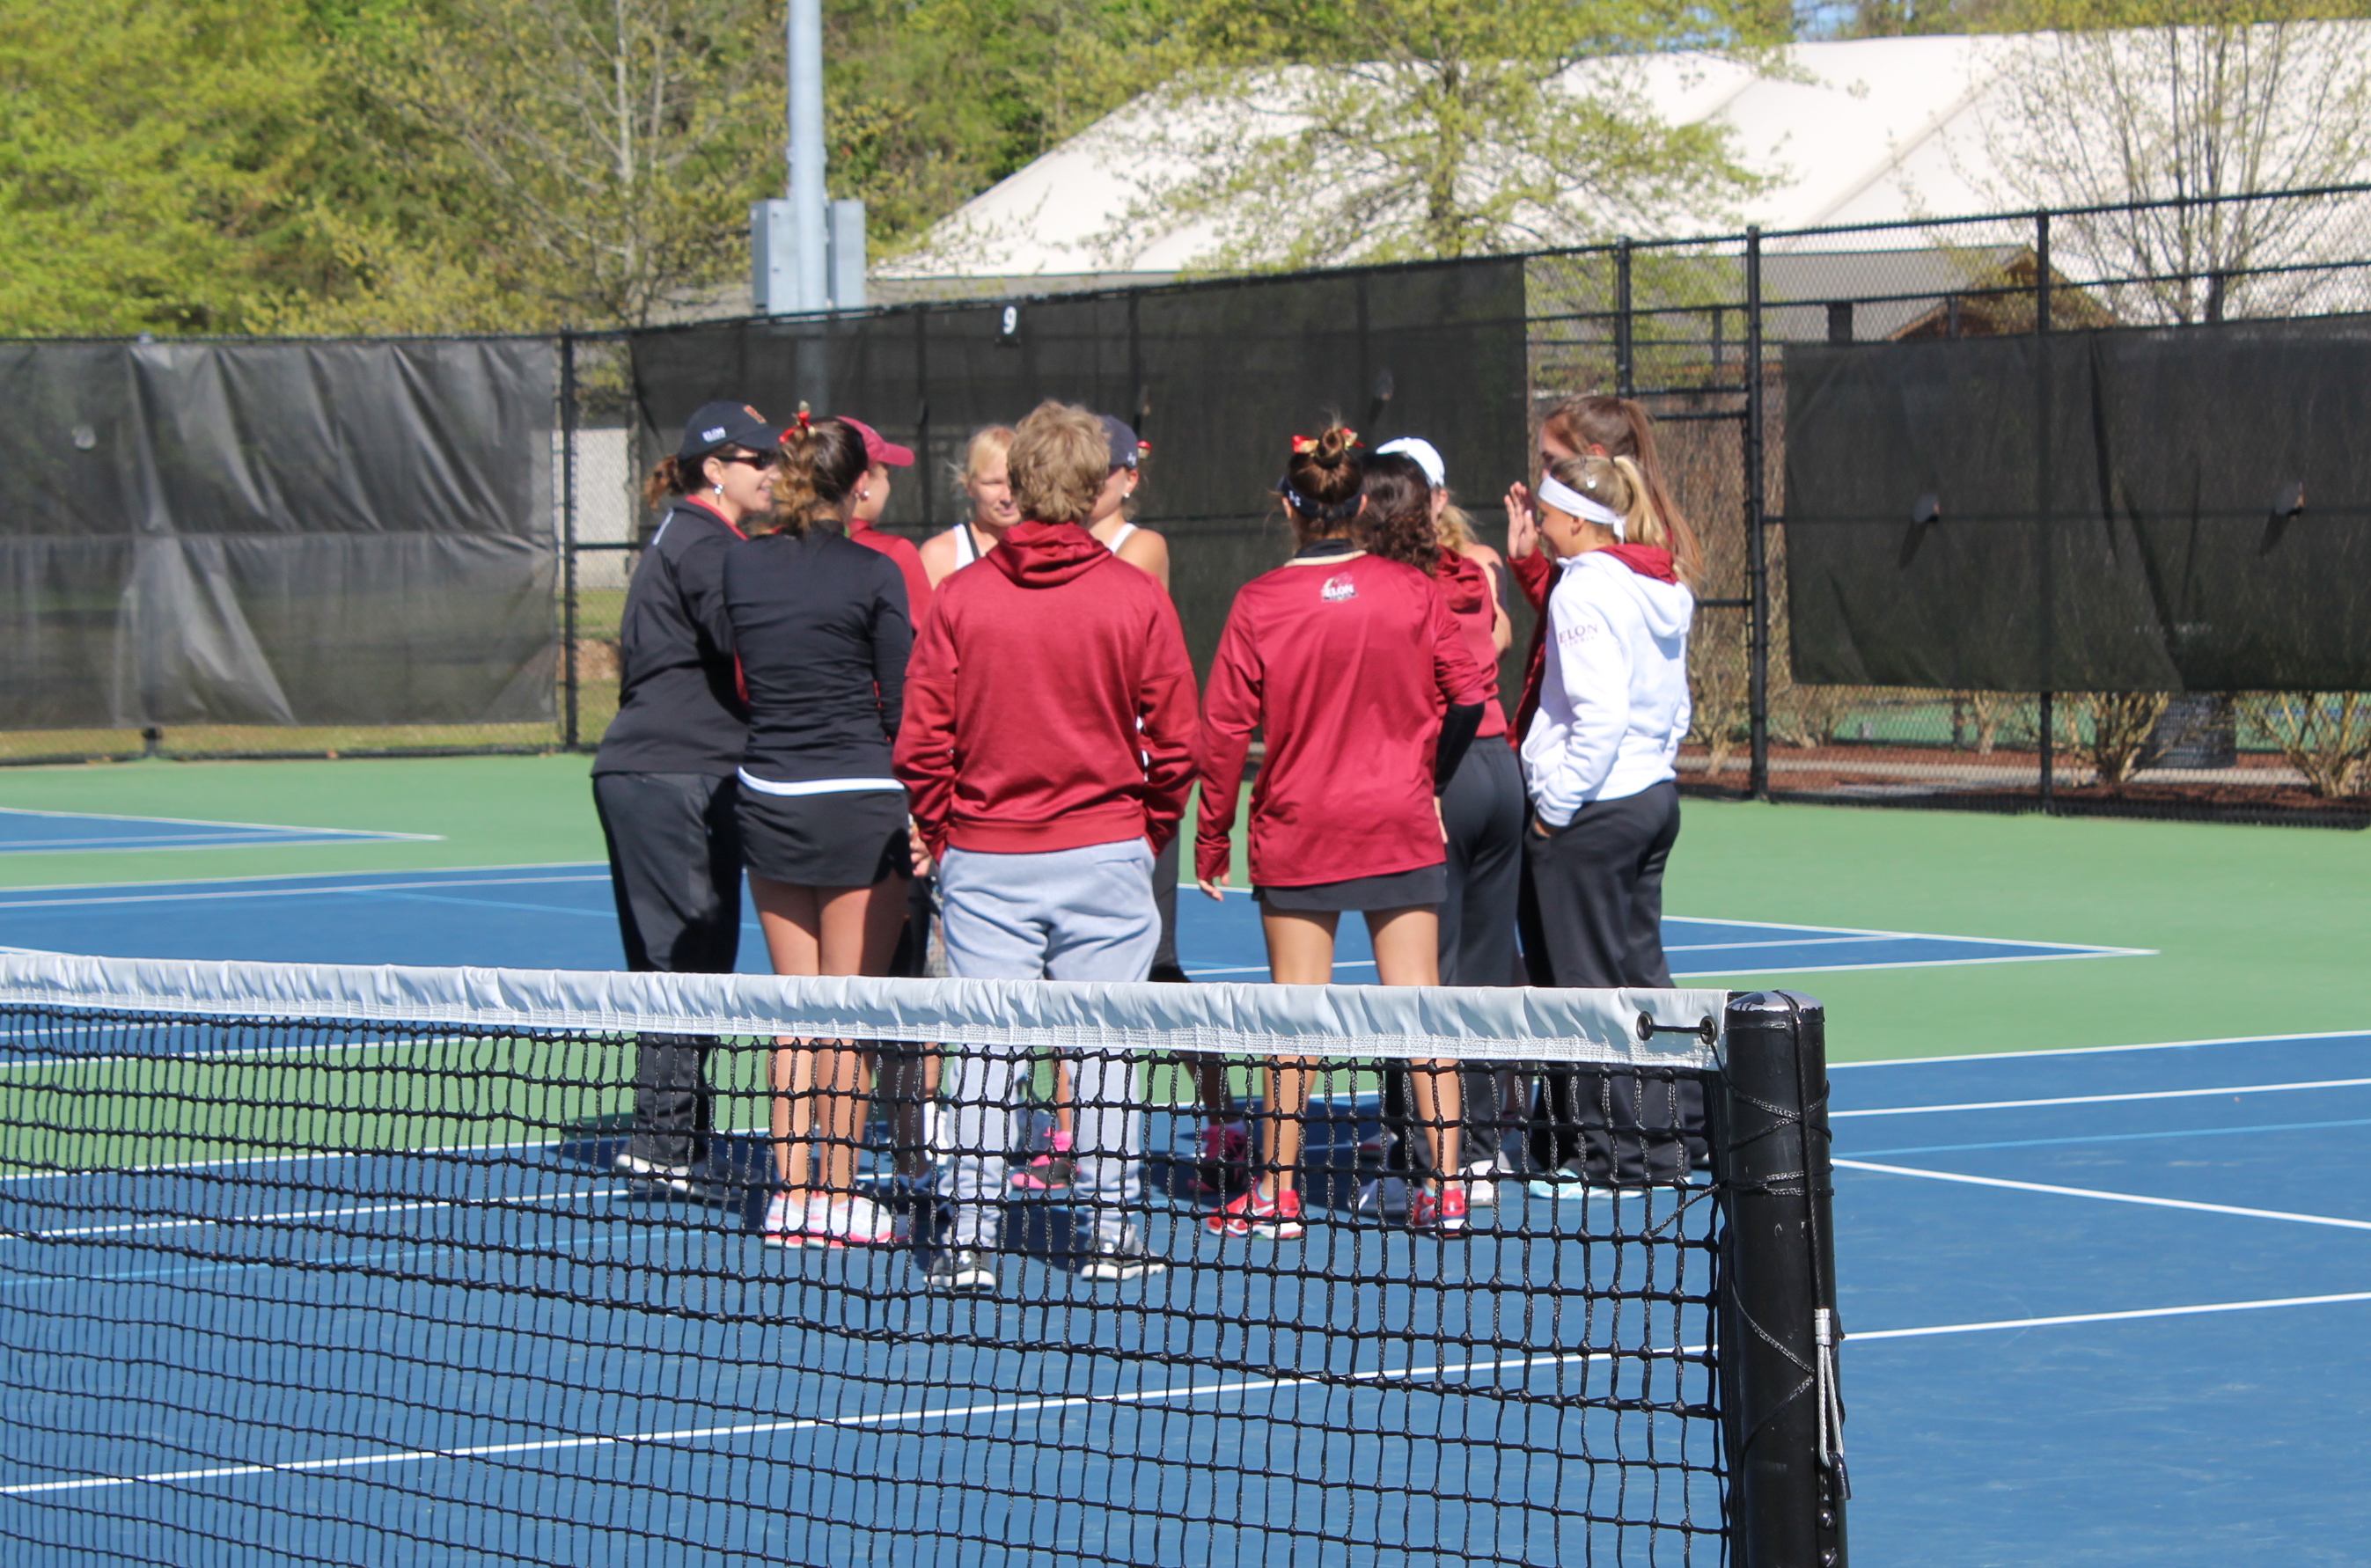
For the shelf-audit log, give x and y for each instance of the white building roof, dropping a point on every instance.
(1865, 131)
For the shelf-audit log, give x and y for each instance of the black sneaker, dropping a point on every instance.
(960, 1268)
(659, 1178)
(1123, 1259)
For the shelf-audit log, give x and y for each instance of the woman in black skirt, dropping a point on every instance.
(821, 627)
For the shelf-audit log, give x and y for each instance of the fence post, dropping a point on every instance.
(922, 414)
(568, 426)
(1626, 370)
(2046, 419)
(1757, 544)
(1782, 1409)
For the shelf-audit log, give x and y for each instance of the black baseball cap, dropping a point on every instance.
(1126, 446)
(727, 424)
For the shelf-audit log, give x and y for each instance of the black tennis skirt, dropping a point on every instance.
(846, 838)
(1396, 890)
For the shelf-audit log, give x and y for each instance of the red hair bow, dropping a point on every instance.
(1303, 445)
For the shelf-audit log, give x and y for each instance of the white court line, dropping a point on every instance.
(7, 903)
(813, 1423)
(2104, 1197)
(2106, 1050)
(1929, 963)
(1813, 941)
(1815, 968)
(285, 1216)
(2114, 1317)
(229, 1055)
(209, 822)
(2107, 1098)
(600, 866)
(409, 1153)
(1932, 936)
(1154, 1396)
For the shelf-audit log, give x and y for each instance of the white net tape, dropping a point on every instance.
(1602, 1026)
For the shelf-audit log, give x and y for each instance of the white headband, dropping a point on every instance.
(1572, 503)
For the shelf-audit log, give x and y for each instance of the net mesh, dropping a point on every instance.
(337, 1265)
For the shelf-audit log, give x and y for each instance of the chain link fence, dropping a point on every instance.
(1725, 341)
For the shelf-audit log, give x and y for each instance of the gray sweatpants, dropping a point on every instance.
(1067, 914)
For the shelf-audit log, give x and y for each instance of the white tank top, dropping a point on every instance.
(1121, 538)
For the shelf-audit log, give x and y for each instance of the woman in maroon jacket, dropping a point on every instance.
(1349, 662)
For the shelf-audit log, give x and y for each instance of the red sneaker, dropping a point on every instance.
(1442, 1213)
(1277, 1219)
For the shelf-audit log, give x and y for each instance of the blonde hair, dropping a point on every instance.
(987, 439)
(1455, 529)
(1058, 460)
(1619, 484)
(1623, 429)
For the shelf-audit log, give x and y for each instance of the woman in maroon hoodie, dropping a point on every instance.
(1047, 743)
(1349, 661)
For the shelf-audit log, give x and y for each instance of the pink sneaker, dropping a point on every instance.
(1277, 1219)
(1225, 1165)
(802, 1227)
(1442, 1213)
(1049, 1172)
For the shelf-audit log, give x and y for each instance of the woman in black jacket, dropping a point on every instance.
(664, 782)
(821, 627)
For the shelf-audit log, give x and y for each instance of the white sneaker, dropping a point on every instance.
(783, 1228)
(1385, 1197)
(1481, 1188)
(651, 1176)
(851, 1222)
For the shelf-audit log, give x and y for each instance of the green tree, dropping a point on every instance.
(1308, 133)
(931, 102)
(616, 144)
(145, 160)
(2184, 102)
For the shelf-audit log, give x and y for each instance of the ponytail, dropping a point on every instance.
(1623, 430)
(822, 460)
(1322, 483)
(671, 479)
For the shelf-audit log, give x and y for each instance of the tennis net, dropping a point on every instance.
(317, 1264)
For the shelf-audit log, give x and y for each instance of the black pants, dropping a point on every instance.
(1593, 915)
(674, 866)
(1483, 809)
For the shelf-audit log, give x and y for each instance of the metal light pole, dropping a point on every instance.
(807, 251)
(811, 270)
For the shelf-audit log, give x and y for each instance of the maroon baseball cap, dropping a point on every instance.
(877, 450)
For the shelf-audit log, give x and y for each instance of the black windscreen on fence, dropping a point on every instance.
(1216, 376)
(354, 533)
(2195, 522)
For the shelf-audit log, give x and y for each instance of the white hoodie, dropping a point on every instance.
(1613, 699)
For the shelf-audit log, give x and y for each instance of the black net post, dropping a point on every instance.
(1778, 1312)
(1757, 542)
(567, 427)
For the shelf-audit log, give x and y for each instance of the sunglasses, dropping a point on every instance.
(754, 459)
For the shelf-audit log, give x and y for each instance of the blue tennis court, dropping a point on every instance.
(561, 917)
(2103, 1307)
(48, 832)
